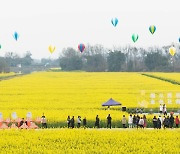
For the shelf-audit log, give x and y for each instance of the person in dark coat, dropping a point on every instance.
(158, 123)
(72, 122)
(68, 121)
(109, 121)
(84, 122)
(97, 122)
(137, 120)
(171, 121)
(155, 122)
(134, 121)
(166, 122)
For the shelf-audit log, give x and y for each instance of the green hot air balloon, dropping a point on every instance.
(152, 29)
(135, 37)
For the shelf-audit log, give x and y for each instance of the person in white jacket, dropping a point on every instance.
(141, 122)
(130, 121)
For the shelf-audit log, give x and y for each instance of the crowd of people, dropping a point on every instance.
(133, 121)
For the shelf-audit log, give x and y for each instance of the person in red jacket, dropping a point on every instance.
(177, 121)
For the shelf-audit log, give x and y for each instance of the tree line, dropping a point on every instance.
(131, 59)
(97, 58)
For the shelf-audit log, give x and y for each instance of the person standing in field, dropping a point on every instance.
(109, 121)
(177, 122)
(166, 122)
(84, 122)
(124, 121)
(171, 121)
(68, 121)
(145, 120)
(164, 109)
(137, 120)
(79, 121)
(97, 122)
(141, 122)
(155, 122)
(158, 123)
(134, 121)
(130, 121)
(44, 121)
(161, 108)
(72, 122)
(161, 120)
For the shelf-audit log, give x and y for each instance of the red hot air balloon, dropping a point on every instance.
(81, 47)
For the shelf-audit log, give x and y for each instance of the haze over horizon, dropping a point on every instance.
(67, 23)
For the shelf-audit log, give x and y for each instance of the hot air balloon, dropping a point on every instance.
(152, 29)
(81, 47)
(135, 37)
(172, 51)
(0, 46)
(51, 49)
(114, 21)
(16, 36)
(179, 39)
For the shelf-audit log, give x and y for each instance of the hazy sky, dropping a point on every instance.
(66, 23)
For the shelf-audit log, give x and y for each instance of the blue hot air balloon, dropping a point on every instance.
(16, 36)
(114, 21)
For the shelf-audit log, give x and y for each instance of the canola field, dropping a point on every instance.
(59, 94)
(90, 141)
(171, 76)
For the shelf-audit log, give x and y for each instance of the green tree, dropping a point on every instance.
(115, 60)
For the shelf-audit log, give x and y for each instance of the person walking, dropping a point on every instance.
(177, 122)
(97, 122)
(171, 121)
(109, 121)
(72, 122)
(155, 122)
(130, 121)
(84, 122)
(124, 121)
(79, 121)
(68, 121)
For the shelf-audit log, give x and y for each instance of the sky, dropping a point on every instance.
(66, 23)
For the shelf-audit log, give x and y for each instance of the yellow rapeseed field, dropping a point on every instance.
(89, 141)
(59, 94)
(172, 76)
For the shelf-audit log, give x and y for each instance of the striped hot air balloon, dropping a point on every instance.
(81, 47)
(152, 29)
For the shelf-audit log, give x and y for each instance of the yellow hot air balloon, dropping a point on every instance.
(52, 49)
(172, 51)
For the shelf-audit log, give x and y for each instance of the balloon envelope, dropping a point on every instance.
(172, 51)
(52, 49)
(16, 36)
(135, 37)
(114, 21)
(152, 29)
(81, 47)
